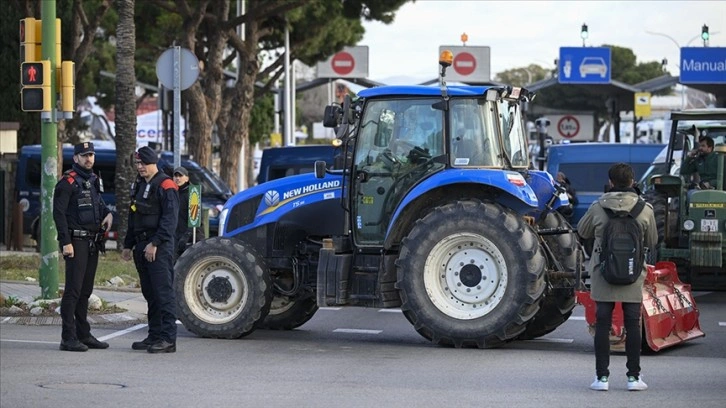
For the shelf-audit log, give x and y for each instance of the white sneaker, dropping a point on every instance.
(636, 384)
(600, 384)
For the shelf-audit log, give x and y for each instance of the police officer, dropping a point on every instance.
(183, 235)
(152, 222)
(79, 212)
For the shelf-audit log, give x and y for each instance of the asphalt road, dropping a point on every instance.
(354, 357)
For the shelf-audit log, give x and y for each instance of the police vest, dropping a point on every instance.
(89, 199)
(145, 203)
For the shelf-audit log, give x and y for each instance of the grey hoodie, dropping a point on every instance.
(592, 225)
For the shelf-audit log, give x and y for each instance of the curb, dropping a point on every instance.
(111, 318)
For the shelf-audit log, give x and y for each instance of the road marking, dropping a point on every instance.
(576, 318)
(122, 332)
(329, 308)
(552, 340)
(722, 324)
(357, 331)
(390, 311)
(29, 341)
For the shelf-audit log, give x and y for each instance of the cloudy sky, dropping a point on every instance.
(520, 33)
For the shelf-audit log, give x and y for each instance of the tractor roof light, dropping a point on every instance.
(688, 225)
(446, 58)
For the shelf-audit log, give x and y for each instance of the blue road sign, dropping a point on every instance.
(703, 65)
(584, 65)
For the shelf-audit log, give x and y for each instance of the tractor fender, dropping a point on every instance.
(278, 198)
(543, 186)
(519, 196)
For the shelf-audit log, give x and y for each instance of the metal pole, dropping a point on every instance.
(48, 272)
(241, 168)
(288, 122)
(177, 105)
(293, 118)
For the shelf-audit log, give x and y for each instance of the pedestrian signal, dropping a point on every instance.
(35, 73)
(35, 99)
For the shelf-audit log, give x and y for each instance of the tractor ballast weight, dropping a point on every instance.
(669, 312)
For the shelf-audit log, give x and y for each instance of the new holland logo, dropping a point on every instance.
(272, 197)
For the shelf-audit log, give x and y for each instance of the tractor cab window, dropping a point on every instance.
(513, 133)
(473, 134)
(397, 142)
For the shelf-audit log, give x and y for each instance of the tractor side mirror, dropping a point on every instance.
(319, 169)
(331, 116)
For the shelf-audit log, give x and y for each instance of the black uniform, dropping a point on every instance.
(183, 234)
(78, 210)
(153, 219)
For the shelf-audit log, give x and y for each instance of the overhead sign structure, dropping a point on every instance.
(642, 104)
(470, 64)
(351, 62)
(703, 65)
(584, 65)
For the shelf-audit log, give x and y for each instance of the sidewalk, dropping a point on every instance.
(130, 299)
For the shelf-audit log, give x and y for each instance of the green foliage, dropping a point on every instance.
(261, 121)
(11, 301)
(522, 76)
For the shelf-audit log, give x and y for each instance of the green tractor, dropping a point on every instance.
(691, 216)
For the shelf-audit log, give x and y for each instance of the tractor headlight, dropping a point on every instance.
(688, 225)
(223, 221)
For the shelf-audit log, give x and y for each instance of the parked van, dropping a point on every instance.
(27, 182)
(586, 166)
(279, 162)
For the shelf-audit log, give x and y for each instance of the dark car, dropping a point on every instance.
(27, 183)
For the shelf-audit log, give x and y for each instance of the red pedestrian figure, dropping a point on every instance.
(31, 73)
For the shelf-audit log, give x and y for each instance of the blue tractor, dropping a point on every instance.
(431, 207)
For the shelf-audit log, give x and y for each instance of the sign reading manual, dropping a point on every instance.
(703, 65)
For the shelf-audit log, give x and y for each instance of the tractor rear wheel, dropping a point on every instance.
(559, 298)
(222, 287)
(470, 274)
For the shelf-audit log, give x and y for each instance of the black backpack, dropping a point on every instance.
(622, 255)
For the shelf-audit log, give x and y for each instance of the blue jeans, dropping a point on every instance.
(604, 318)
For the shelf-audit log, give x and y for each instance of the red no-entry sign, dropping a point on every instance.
(343, 63)
(464, 63)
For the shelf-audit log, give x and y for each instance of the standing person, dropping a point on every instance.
(621, 197)
(152, 221)
(183, 234)
(569, 210)
(79, 212)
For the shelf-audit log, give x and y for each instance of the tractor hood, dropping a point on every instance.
(269, 201)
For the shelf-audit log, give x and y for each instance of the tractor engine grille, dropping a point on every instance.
(243, 213)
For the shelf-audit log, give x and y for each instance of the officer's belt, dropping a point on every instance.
(81, 234)
(144, 236)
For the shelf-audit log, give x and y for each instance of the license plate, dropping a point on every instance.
(709, 225)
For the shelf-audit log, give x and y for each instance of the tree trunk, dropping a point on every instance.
(125, 113)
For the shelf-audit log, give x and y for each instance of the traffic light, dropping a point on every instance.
(583, 33)
(704, 33)
(35, 80)
(68, 87)
(30, 39)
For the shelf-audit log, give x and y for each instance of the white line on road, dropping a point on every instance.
(390, 310)
(6, 319)
(122, 332)
(357, 331)
(30, 341)
(329, 308)
(552, 340)
(576, 318)
(722, 324)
